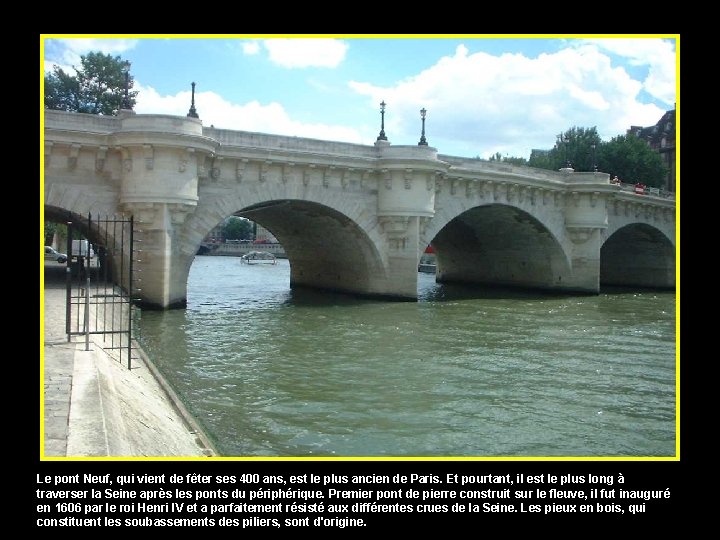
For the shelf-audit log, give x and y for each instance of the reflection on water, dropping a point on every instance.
(464, 371)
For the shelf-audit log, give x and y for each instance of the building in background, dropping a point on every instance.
(263, 235)
(215, 236)
(661, 138)
(260, 233)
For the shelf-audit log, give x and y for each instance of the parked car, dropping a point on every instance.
(52, 255)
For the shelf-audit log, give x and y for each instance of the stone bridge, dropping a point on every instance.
(351, 217)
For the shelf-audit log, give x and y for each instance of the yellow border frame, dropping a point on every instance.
(676, 457)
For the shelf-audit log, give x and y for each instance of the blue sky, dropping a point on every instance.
(482, 95)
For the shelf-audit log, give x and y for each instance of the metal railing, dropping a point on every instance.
(100, 284)
(656, 192)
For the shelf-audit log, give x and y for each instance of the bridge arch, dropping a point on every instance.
(108, 236)
(330, 241)
(96, 234)
(62, 216)
(638, 255)
(499, 244)
(663, 222)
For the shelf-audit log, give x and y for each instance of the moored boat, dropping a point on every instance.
(256, 257)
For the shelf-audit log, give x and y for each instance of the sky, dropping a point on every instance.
(482, 95)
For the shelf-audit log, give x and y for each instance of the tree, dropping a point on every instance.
(50, 229)
(574, 146)
(544, 159)
(627, 156)
(237, 228)
(512, 160)
(62, 91)
(632, 160)
(98, 87)
(53, 229)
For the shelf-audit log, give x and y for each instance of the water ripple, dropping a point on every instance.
(274, 371)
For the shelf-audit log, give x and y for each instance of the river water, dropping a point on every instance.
(269, 371)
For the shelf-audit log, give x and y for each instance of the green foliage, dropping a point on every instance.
(62, 91)
(515, 160)
(628, 157)
(632, 160)
(237, 228)
(574, 146)
(544, 159)
(52, 228)
(98, 87)
(512, 160)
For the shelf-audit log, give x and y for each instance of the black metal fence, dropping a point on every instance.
(101, 283)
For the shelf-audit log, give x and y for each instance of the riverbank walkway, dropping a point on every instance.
(94, 406)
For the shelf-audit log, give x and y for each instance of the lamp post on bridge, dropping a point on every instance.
(192, 113)
(382, 136)
(594, 163)
(563, 142)
(423, 141)
(126, 98)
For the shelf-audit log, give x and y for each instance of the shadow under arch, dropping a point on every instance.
(110, 243)
(637, 255)
(326, 249)
(500, 245)
(80, 223)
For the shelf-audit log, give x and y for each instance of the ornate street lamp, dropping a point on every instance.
(563, 141)
(595, 167)
(423, 141)
(126, 98)
(192, 113)
(382, 136)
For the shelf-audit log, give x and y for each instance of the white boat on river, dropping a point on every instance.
(258, 257)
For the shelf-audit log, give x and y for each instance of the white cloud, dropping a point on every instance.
(640, 51)
(250, 47)
(70, 50)
(105, 46)
(213, 109)
(306, 52)
(511, 103)
(48, 67)
(657, 54)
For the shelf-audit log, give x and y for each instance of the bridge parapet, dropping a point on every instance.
(414, 153)
(160, 123)
(655, 200)
(93, 123)
(474, 166)
(232, 142)
(587, 178)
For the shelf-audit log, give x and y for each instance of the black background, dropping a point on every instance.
(684, 478)
(638, 475)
